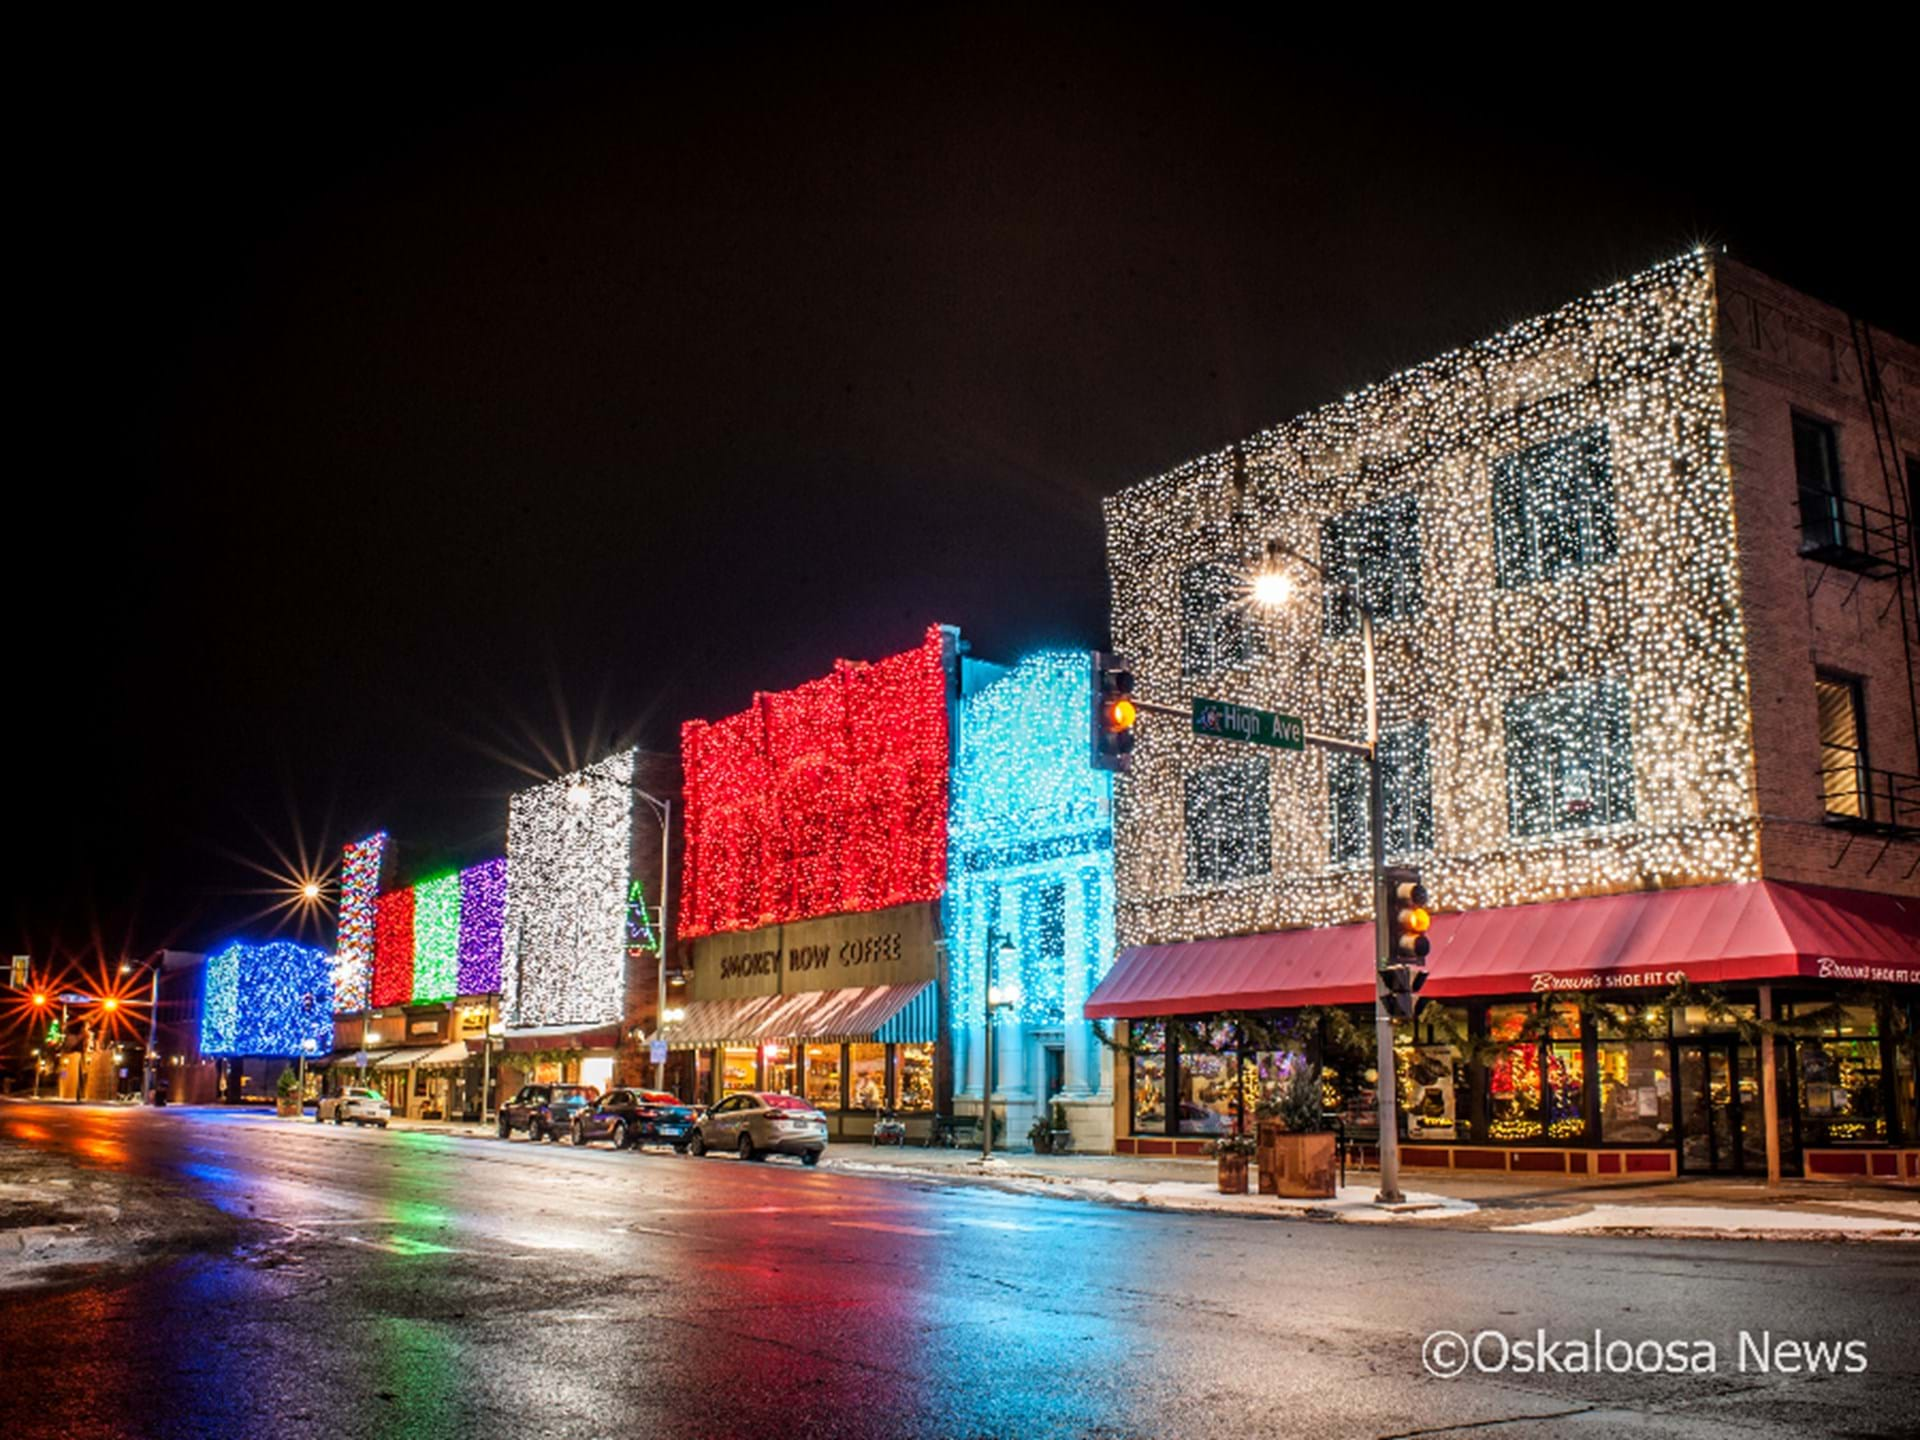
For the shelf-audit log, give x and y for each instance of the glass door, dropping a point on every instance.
(1722, 1130)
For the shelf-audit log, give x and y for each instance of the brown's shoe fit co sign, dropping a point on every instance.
(877, 947)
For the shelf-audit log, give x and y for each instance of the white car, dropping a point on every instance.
(355, 1103)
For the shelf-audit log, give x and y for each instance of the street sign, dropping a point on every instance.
(74, 997)
(1222, 720)
(659, 1052)
(360, 1059)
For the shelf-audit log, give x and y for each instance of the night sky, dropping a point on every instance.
(412, 421)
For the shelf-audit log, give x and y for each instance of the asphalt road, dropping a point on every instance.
(397, 1284)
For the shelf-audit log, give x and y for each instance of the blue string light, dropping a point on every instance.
(1030, 840)
(267, 1000)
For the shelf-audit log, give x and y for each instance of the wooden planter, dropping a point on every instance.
(1233, 1174)
(1299, 1167)
(288, 1106)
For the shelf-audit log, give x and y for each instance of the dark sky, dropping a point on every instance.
(406, 412)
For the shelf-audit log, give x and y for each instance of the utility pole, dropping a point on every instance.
(1387, 1096)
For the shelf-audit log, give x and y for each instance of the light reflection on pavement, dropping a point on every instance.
(404, 1284)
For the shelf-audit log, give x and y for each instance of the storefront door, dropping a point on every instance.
(1722, 1130)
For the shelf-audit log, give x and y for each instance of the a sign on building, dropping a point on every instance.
(875, 947)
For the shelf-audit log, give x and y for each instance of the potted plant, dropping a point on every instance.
(1232, 1152)
(1296, 1142)
(1060, 1142)
(1040, 1135)
(287, 1101)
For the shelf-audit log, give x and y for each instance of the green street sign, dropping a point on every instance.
(1224, 721)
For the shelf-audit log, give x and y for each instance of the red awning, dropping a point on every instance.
(604, 1037)
(1712, 934)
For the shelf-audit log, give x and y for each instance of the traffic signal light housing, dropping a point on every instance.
(1110, 744)
(1404, 919)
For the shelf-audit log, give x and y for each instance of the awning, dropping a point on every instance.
(399, 1059)
(454, 1052)
(1711, 934)
(906, 1014)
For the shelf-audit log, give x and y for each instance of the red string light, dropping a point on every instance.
(826, 798)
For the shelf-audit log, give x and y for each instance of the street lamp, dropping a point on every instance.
(998, 997)
(1274, 586)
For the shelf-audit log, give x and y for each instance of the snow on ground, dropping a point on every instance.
(1351, 1203)
(1721, 1218)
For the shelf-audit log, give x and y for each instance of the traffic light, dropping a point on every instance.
(1405, 918)
(1114, 713)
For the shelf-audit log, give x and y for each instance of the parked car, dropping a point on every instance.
(755, 1125)
(545, 1112)
(635, 1117)
(357, 1103)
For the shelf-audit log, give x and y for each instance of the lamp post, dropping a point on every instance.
(1273, 587)
(997, 998)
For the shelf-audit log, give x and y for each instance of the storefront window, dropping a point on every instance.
(1513, 1077)
(777, 1061)
(1842, 1098)
(867, 1067)
(1270, 1072)
(1566, 1079)
(823, 1076)
(1207, 1084)
(1636, 1092)
(916, 1077)
(703, 1078)
(1149, 1079)
(739, 1069)
(1432, 1074)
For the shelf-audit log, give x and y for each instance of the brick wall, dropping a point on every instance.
(1783, 351)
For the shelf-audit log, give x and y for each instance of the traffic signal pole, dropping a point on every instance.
(1388, 1094)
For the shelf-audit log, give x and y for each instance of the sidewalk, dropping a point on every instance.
(1721, 1207)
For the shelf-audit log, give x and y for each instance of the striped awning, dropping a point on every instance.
(400, 1059)
(905, 1014)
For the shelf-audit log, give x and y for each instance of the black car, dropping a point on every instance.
(635, 1117)
(545, 1112)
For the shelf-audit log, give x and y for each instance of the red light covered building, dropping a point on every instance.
(816, 857)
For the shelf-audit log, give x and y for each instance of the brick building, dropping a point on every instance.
(1640, 573)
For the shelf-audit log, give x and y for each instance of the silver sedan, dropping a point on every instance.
(754, 1125)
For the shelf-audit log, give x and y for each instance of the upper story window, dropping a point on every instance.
(1218, 630)
(1380, 543)
(1406, 784)
(1229, 823)
(1843, 745)
(1816, 466)
(1569, 759)
(1553, 508)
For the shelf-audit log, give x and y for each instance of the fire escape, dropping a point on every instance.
(1861, 545)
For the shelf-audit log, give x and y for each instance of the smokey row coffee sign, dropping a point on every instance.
(883, 947)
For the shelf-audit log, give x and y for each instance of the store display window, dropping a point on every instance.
(916, 1077)
(739, 1069)
(1636, 1092)
(777, 1062)
(1513, 1076)
(1149, 1079)
(823, 1067)
(867, 1076)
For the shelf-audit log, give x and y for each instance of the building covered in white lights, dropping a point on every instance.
(1642, 577)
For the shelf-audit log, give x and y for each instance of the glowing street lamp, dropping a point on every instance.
(998, 997)
(1274, 586)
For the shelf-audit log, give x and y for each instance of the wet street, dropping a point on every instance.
(406, 1284)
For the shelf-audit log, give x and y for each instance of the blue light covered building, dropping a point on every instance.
(1030, 855)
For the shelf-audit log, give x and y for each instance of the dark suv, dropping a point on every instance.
(545, 1112)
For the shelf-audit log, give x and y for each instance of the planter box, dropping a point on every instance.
(1299, 1167)
(289, 1107)
(1233, 1174)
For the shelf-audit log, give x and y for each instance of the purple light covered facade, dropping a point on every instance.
(483, 908)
